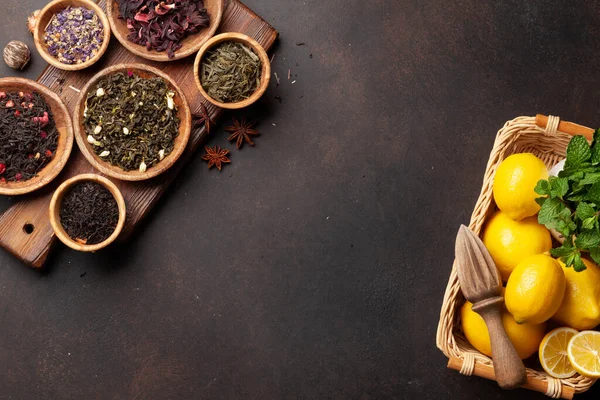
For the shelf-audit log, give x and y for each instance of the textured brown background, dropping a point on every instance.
(314, 265)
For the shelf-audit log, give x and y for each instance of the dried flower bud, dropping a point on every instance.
(100, 92)
(16, 54)
(32, 20)
(142, 167)
(91, 139)
(105, 153)
(161, 155)
(98, 129)
(10, 104)
(37, 156)
(125, 131)
(170, 102)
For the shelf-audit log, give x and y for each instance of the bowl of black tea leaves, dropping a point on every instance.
(36, 136)
(87, 212)
(232, 70)
(133, 122)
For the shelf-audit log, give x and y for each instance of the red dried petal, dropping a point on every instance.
(2, 168)
(18, 176)
(48, 153)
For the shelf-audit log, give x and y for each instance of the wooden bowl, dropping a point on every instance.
(190, 44)
(56, 203)
(44, 19)
(185, 125)
(258, 49)
(62, 119)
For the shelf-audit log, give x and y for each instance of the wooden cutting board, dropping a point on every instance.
(25, 229)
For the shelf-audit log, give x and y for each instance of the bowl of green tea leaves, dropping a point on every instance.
(232, 70)
(133, 122)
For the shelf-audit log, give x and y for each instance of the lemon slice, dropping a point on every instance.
(584, 353)
(553, 353)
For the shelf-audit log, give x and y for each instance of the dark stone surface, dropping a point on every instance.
(314, 265)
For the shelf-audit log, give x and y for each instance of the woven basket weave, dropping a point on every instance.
(517, 136)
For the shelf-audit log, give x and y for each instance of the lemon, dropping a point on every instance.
(514, 182)
(553, 353)
(584, 353)
(509, 242)
(580, 308)
(525, 337)
(535, 289)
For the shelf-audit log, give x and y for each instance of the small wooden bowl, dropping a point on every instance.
(56, 203)
(46, 15)
(265, 76)
(190, 44)
(185, 125)
(62, 119)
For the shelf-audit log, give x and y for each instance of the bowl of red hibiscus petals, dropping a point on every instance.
(72, 34)
(36, 136)
(87, 212)
(164, 30)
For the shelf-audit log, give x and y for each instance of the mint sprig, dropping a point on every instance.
(570, 203)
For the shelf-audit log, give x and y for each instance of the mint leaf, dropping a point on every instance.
(595, 254)
(588, 239)
(578, 152)
(578, 264)
(558, 186)
(596, 147)
(590, 223)
(550, 211)
(562, 251)
(584, 211)
(590, 178)
(542, 187)
(593, 193)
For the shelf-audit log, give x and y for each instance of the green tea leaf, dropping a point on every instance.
(578, 152)
(584, 211)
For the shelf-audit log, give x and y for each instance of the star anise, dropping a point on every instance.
(241, 131)
(202, 117)
(216, 156)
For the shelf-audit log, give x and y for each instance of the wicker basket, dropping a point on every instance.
(547, 138)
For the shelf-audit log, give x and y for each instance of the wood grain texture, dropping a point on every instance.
(33, 248)
(570, 128)
(480, 283)
(46, 16)
(179, 145)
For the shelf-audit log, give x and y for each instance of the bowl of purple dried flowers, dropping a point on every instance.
(72, 34)
(164, 30)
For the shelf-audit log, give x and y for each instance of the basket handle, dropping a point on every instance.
(566, 127)
(487, 372)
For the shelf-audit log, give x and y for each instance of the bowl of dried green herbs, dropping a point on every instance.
(132, 122)
(232, 70)
(72, 34)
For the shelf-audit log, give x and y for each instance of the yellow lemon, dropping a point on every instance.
(525, 337)
(553, 353)
(584, 353)
(580, 308)
(514, 182)
(535, 289)
(509, 242)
